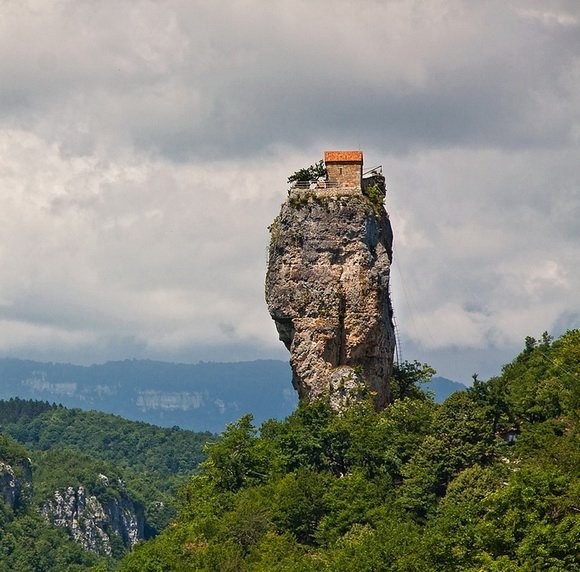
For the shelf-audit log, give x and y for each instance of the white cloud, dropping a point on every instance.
(500, 263)
(132, 246)
(551, 18)
(144, 149)
(451, 325)
(16, 336)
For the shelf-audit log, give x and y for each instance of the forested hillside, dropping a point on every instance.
(104, 481)
(133, 445)
(486, 481)
(28, 542)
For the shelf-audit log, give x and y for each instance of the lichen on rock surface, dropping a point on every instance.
(327, 290)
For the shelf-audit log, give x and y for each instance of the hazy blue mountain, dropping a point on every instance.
(442, 388)
(200, 397)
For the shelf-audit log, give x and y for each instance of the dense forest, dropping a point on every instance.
(486, 481)
(27, 541)
(109, 457)
(130, 444)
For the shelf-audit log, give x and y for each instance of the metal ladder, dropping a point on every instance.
(398, 352)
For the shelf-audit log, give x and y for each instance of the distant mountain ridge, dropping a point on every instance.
(442, 387)
(202, 397)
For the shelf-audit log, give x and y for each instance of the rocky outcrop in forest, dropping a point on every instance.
(15, 479)
(327, 283)
(97, 524)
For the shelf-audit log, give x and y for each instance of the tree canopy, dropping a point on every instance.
(416, 487)
(488, 480)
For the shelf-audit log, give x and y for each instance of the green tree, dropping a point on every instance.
(238, 458)
(406, 380)
(416, 487)
(311, 173)
(299, 503)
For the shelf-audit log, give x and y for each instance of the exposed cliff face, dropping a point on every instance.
(327, 289)
(99, 525)
(15, 479)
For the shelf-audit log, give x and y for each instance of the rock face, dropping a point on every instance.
(15, 479)
(99, 525)
(327, 288)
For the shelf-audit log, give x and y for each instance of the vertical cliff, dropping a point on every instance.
(110, 523)
(15, 481)
(327, 285)
(15, 473)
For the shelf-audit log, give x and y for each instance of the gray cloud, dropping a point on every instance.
(144, 149)
(197, 80)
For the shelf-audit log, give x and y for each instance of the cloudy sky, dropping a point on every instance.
(145, 146)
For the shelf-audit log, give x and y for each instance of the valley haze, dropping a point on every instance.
(200, 397)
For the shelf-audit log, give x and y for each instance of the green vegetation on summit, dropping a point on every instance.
(307, 174)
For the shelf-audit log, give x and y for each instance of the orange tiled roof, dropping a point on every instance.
(343, 157)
